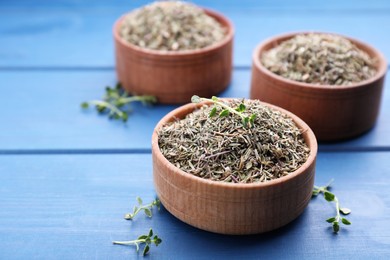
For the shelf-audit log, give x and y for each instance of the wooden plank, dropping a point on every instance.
(41, 112)
(71, 207)
(41, 38)
(244, 4)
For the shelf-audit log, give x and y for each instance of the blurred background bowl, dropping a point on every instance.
(174, 76)
(332, 112)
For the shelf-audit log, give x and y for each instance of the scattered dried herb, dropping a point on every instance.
(222, 148)
(324, 59)
(148, 240)
(335, 221)
(171, 26)
(116, 102)
(146, 208)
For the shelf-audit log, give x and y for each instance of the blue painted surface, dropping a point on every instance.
(44, 113)
(68, 176)
(229, 4)
(71, 207)
(40, 38)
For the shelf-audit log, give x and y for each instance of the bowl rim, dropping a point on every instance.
(223, 20)
(260, 48)
(310, 140)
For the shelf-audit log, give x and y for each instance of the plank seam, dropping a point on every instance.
(74, 151)
(149, 151)
(86, 68)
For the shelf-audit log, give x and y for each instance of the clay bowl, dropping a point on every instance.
(173, 77)
(333, 112)
(231, 208)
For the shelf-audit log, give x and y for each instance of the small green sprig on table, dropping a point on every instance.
(147, 239)
(147, 208)
(329, 196)
(247, 121)
(116, 102)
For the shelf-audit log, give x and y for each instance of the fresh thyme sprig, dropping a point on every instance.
(335, 221)
(146, 208)
(116, 102)
(148, 240)
(246, 120)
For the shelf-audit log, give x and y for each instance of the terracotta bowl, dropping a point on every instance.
(231, 208)
(173, 77)
(333, 112)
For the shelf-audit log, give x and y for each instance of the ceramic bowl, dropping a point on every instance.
(174, 76)
(231, 208)
(333, 112)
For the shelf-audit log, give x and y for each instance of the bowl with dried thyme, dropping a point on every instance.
(233, 166)
(172, 49)
(334, 83)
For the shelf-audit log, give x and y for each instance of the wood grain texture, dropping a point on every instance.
(32, 39)
(43, 113)
(333, 112)
(229, 208)
(173, 77)
(332, 5)
(55, 54)
(71, 207)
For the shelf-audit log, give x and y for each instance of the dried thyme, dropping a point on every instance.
(324, 59)
(171, 26)
(223, 149)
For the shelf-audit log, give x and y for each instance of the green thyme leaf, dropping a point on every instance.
(213, 112)
(224, 113)
(146, 250)
(84, 105)
(241, 108)
(330, 220)
(329, 196)
(345, 221)
(252, 118)
(336, 227)
(148, 212)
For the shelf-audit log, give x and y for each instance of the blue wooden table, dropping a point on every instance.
(67, 176)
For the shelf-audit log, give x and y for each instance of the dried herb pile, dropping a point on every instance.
(221, 148)
(171, 26)
(323, 59)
